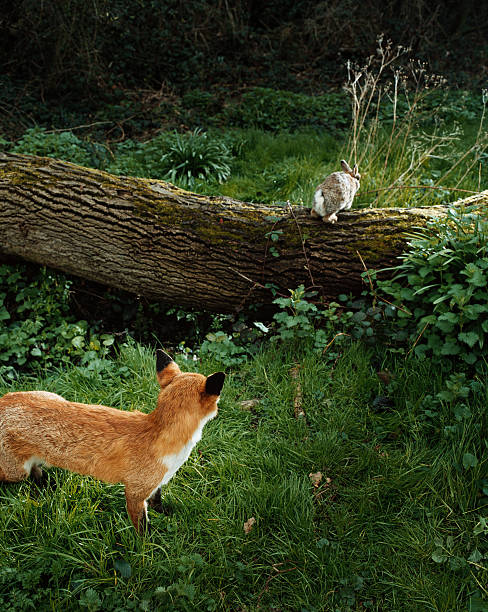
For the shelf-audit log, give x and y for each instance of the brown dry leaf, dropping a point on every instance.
(248, 404)
(316, 478)
(385, 376)
(249, 524)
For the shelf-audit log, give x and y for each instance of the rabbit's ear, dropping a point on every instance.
(345, 166)
(355, 170)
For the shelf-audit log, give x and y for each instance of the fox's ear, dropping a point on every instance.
(214, 383)
(166, 368)
(162, 360)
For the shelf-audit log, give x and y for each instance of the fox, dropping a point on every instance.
(141, 451)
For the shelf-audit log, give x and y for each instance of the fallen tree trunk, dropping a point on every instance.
(156, 240)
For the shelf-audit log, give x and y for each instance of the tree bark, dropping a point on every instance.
(159, 241)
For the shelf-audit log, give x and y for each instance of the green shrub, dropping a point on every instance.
(61, 145)
(443, 281)
(270, 109)
(299, 319)
(132, 158)
(36, 327)
(222, 347)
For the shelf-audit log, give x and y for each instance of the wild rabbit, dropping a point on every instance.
(336, 193)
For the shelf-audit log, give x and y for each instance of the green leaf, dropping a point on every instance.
(444, 326)
(108, 340)
(481, 527)
(477, 604)
(124, 568)
(424, 271)
(451, 347)
(78, 342)
(470, 338)
(475, 275)
(456, 563)
(457, 290)
(469, 460)
(439, 556)
(90, 599)
(475, 556)
(450, 317)
(473, 311)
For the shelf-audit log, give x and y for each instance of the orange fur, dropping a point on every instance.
(113, 445)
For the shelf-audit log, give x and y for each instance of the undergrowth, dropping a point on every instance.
(424, 145)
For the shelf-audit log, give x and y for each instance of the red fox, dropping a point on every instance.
(142, 451)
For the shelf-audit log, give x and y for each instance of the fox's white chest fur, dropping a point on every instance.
(175, 460)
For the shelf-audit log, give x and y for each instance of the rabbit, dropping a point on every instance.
(336, 193)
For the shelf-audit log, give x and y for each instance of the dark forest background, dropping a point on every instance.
(74, 55)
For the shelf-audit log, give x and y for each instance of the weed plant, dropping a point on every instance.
(357, 503)
(442, 280)
(411, 148)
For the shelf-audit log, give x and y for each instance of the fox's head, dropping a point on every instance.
(188, 391)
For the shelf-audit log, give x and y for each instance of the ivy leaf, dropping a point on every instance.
(456, 563)
(475, 556)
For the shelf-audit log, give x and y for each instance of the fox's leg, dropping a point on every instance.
(11, 470)
(38, 475)
(155, 501)
(137, 510)
(17, 459)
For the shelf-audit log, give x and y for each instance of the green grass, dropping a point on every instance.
(362, 540)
